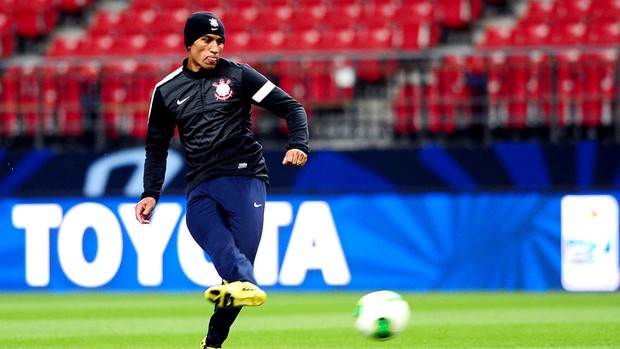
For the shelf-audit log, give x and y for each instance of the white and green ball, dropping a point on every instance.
(381, 314)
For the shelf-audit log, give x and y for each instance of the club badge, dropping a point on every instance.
(222, 89)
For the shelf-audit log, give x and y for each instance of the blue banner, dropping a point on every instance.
(413, 242)
(512, 166)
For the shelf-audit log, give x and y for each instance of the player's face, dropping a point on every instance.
(205, 52)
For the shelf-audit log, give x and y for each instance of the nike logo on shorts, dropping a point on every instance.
(257, 204)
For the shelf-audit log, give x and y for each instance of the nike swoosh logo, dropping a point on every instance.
(181, 101)
(257, 205)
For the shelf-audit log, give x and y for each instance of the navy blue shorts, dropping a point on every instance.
(225, 217)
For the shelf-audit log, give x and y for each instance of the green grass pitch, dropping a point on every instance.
(310, 320)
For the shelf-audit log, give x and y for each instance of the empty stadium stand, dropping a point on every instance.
(392, 69)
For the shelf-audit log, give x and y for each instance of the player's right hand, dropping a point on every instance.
(144, 210)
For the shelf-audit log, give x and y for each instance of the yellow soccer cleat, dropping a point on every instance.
(236, 294)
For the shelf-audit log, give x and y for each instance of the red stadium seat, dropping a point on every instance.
(476, 72)
(568, 33)
(498, 85)
(166, 44)
(115, 97)
(569, 82)
(518, 70)
(63, 89)
(344, 74)
(246, 17)
(64, 47)
(539, 10)
(341, 39)
(574, 10)
(458, 13)
(8, 6)
(539, 89)
(49, 99)
(9, 101)
(7, 45)
(131, 45)
(276, 18)
(382, 14)
(35, 18)
(415, 12)
(519, 90)
(88, 75)
(377, 38)
(171, 22)
(599, 89)
(7, 35)
(269, 41)
(307, 40)
(29, 92)
(97, 45)
(375, 70)
(143, 82)
(527, 90)
(221, 10)
(419, 36)
(308, 17)
(321, 87)
(497, 36)
(407, 104)
(238, 41)
(106, 22)
(455, 104)
(291, 78)
(431, 94)
(7, 25)
(146, 21)
(604, 32)
(605, 10)
(346, 13)
(532, 33)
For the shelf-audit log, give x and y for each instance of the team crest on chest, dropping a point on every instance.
(222, 89)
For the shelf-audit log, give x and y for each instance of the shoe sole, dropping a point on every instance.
(224, 298)
(256, 298)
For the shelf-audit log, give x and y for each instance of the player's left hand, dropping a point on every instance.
(295, 157)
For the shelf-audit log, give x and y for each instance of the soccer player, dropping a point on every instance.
(209, 101)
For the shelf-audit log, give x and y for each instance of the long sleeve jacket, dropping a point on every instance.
(212, 112)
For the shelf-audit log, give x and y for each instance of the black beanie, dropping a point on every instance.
(201, 23)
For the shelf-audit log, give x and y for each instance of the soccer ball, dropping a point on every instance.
(381, 314)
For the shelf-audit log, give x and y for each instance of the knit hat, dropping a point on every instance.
(201, 23)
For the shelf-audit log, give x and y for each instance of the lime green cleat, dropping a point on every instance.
(236, 294)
